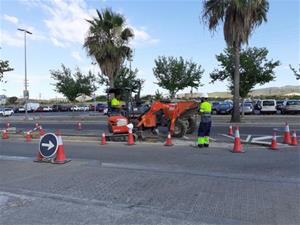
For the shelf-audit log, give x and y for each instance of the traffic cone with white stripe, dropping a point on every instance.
(294, 138)
(79, 126)
(287, 135)
(237, 147)
(60, 154)
(28, 136)
(230, 130)
(130, 138)
(5, 134)
(169, 140)
(103, 139)
(41, 131)
(274, 145)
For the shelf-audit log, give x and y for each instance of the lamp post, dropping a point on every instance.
(26, 93)
(94, 97)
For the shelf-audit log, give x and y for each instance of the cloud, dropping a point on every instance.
(11, 19)
(76, 55)
(141, 37)
(10, 39)
(57, 43)
(67, 22)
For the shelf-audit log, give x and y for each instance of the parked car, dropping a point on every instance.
(214, 107)
(60, 108)
(291, 106)
(47, 109)
(85, 108)
(100, 107)
(39, 109)
(267, 106)
(224, 108)
(247, 107)
(32, 107)
(75, 108)
(6, 112)
(279, 106)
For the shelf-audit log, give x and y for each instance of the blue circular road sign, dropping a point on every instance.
(48, 145)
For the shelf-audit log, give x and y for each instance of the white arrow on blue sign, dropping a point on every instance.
(48, 145)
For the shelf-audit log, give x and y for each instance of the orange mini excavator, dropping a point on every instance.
(178, 117)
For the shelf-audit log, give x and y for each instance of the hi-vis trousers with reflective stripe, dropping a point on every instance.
(203, 133)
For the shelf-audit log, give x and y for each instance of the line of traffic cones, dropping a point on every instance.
(237, 147)
(28, 137)
(103, 139)
(274, 145)
(60, 154)
(5, 134)
(287, 135)
(230, 131)
(169, 140)
(79, 126)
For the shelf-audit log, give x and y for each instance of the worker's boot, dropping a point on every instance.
(206, 141)
(200, 146)
(206, 145)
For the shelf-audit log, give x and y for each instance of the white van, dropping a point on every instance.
(267, 106)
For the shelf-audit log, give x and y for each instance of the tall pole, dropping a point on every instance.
(26, 94)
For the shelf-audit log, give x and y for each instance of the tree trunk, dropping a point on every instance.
(111, 82)
(235, 117)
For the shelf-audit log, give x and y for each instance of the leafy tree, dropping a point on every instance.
(126, 78)
(71, 86)
(175, 74)
(297, 73)
(12, 100)
(108, 42)
(255, 69)
(4, 67)
(240, 18)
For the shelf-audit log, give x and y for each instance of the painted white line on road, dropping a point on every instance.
(248, 138)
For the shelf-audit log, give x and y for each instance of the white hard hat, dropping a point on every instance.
(204, 95)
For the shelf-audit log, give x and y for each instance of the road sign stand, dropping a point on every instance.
(49, 147)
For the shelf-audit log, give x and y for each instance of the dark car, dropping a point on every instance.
(101, 106)
(279, 106)
(215, 107)
(60, 108)
(224, 108)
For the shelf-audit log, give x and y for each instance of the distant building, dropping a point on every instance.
(2, 99)
(189, 95)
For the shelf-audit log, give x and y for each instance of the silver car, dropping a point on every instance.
(291, 106)
(247, 107)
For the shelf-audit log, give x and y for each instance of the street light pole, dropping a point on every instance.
(26, 93)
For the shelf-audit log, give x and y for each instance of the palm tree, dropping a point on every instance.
(107, 42)
(240, 18)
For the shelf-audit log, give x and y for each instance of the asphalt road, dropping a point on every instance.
(149, 185)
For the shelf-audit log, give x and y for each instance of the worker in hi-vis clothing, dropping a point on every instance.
(205, 123)
(116, 104)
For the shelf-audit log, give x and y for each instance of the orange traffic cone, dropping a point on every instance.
(130, 138)
(103, 139)
(230, 131)
(169, 140)
(28, 136)
(294, 138)
(237, 147)
(287, 135)
(5, 134)
(274, 145)
(7, 125)
(79, 126)
(41, 131)
(60, 154)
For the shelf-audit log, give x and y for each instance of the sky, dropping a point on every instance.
(161, 27)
